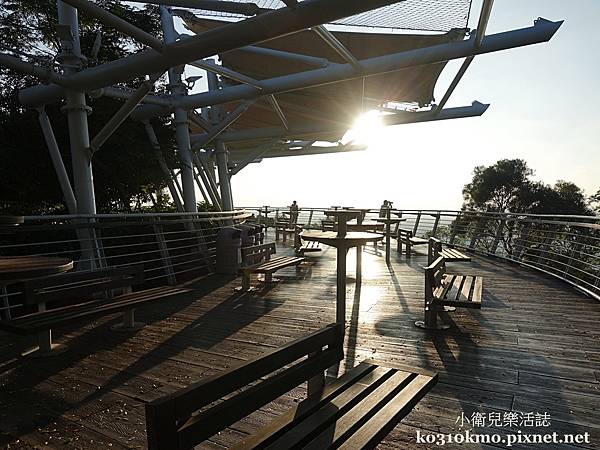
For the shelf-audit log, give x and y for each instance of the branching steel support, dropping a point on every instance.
(173, 188)
(182, 134)
(59, 167)
(121, 115)
(216, 130)
(211, 187)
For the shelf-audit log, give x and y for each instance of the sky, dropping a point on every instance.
(544, 109)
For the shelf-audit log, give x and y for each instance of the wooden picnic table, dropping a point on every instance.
(16, 268)
(342, 242)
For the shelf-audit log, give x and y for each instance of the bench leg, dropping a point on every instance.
(246, 286)
(269, 278)
(45, 346)
(431, 319)
(128, 323)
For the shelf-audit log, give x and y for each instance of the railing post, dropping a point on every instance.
(310, 216)
(416, 226)
(454, 228)
(522, 241)
(436, 223)
(476, 232)
(165, 257)
(498, 236)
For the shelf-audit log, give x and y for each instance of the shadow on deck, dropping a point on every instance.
(532, 348)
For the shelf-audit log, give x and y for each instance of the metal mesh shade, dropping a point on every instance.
(334, 105)
(425, 15)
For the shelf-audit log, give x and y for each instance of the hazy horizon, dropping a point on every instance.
(543, 110)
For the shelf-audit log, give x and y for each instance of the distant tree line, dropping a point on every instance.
(506, 186)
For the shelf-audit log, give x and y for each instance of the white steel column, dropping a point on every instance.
(77, 111)
(182, 134)
(220, 150)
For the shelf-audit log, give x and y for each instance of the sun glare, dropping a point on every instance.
(366, 129)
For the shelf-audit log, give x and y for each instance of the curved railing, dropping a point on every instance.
(567, 247)
(171, 247)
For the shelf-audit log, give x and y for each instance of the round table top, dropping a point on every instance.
(343, 212)
(365, 226)
(15, 268)
(351, 239)
(6, 220)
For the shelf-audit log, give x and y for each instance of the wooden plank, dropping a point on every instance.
(363, 372)
(384, 420)
(213, 388)
(464, 295)
(303, 433)
(200, 427)
(361, 413)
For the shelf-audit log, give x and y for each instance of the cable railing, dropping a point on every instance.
(564, 246)
(172, 248)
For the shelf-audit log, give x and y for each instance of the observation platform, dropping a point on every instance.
(533, 347)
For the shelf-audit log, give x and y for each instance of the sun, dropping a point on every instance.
(366, 129)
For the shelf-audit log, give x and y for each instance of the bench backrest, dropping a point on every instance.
(175, 421)
(257, 254)
(434, 274)
(79, 286)
(434, 250)
(404, 234)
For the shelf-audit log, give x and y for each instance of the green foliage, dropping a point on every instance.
(126, 173)
(595, 201)
(506, 187)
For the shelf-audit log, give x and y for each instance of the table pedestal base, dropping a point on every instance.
(37, 352)
(421, 324)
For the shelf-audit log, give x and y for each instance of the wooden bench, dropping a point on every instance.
(309, 247)
(407, 238)
(257, 259)
(435, 250)
(285, 229)
(82, 296)
(355, 411)
(443, 289)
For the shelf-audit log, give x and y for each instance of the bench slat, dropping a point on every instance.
(384, 420)
(465, 293)
(266, 435)
(39, 321)
(361, 413)
(272, 266)
(304, 432)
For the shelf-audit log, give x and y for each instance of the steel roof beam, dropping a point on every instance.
(116, 22)
(257, 29)
(541, 31)
(476, 109)
(246, 9)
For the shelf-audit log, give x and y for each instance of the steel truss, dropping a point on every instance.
(200, 153)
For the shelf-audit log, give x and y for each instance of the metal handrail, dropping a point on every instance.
(171, 247)
(564, 246)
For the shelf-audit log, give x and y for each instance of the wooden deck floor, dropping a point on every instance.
(533, 347)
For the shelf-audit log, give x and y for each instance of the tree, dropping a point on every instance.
(498, 187)
(595, 201)
(506, 187)
(126, 173)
